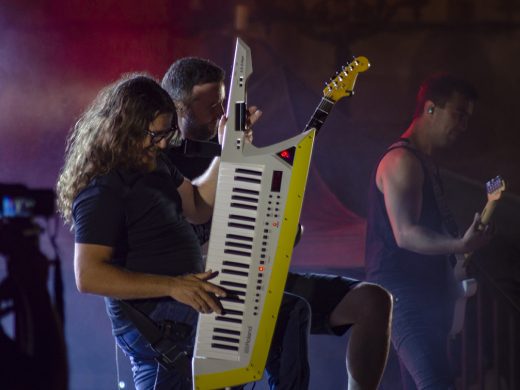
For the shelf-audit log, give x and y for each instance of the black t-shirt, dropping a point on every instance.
(140, 216)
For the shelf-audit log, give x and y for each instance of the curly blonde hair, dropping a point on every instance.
(110, 134)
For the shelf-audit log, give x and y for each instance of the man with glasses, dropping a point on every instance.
(130, 209)
(337, 303)
(157, 136)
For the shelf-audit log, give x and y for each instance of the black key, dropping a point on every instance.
(232, 284)
(226, 331)
(235, 264)
(233, 272)
(228, 339)
(238, 237)
(244, 198)
(240, 226)
(242, 218)
(245, 191)
(243, 206)
(232, 299)
(247, 179)
(237, 253)
(228, 319)
(223, 346)
(248, 171)
(238, 245)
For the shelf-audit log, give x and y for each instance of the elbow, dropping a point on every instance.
(200, 215)
(403, 240)
(198, 220)
(84, 284)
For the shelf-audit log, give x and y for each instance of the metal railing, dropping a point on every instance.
(488, 348)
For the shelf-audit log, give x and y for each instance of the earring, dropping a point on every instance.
(430, 110)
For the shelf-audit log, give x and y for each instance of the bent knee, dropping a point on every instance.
(375, 297)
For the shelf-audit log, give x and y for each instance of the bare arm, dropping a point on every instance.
(400, 178)
(198, 196)
(95, 274)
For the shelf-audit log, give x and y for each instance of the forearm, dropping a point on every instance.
(425, 241)
(109, 280)
(205, 187)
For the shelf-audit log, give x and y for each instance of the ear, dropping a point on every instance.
(429, 107)
(180, 107)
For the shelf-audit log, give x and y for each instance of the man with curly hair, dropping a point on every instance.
(130, 210)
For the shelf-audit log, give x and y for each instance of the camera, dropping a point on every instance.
(18, 201)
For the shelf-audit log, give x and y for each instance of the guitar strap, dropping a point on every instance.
(164, 339)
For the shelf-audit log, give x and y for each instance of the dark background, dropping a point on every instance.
(56, 55)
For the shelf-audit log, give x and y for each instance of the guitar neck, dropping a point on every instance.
(485, 217)
(320, 114)
(486, 214)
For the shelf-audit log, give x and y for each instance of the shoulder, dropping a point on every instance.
(105, 187)
(399, 165)
(400, 160)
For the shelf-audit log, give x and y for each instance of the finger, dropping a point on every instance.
(476, 221)
(214, 289)
(205, 275)
(210, 275)
(222, 122)
(202, 305)
(212, 303)
(248, 134)
(221, 128)
(489, 229)
(254, 115)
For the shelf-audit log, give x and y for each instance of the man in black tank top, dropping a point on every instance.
(336, 303)
(407, 244)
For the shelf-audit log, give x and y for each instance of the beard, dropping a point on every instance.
(200, 131)
(150, 158)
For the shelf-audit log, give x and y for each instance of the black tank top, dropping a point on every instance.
(388, 264)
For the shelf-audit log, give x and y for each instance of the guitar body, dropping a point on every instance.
(467, 287)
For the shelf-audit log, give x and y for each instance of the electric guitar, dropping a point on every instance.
(340, 86)
(467, 287)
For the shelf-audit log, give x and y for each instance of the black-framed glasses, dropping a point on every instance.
(158, 136)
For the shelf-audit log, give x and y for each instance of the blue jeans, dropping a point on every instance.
(148, 374)
(287, 365)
